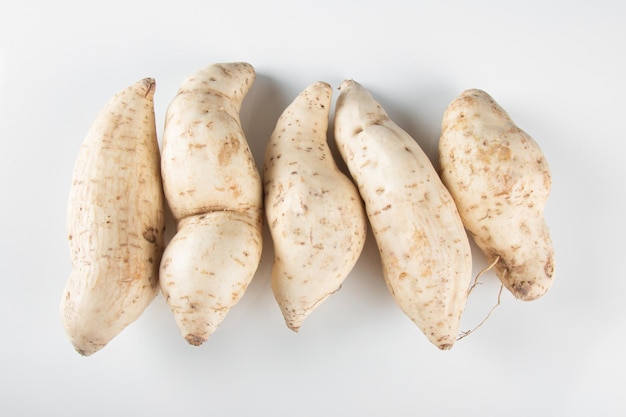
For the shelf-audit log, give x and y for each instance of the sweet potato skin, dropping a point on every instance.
(314, 211)
(115, 221)
(207, 268)
(424, 249)
(214, 190)
(207, 164)
(500, 180)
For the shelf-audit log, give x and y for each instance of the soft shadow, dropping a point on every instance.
(420, 116)
(260, 110)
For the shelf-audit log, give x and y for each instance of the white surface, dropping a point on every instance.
(557, 67)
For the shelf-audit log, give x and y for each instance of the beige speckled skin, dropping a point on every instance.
(207, 267)
(207, 164)
(314, 211)
(214, 190)
(114, 221)
(500, 181)
(424, 249)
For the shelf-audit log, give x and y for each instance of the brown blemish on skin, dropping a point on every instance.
(521, 289)
(380, 120)
(166, 264)
(230, 147)
(524, 229)
(195, 340)
(197, 145)
(151, 234)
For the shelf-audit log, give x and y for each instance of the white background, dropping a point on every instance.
(557, 67)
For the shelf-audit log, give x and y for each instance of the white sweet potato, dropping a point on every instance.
(424, 249)
(313, 210)
(207, 267)
(214, 190)
(500, 180)
(114, 221)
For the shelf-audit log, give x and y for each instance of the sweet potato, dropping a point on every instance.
(424, 249)
(314, 211)
(214, 190)
(500, 180)
(115, 221)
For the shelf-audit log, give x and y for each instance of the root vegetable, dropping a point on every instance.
(207, 267)
(500, 181)
(424, 249)
(214, 190)
(314, 211)
(114, 221)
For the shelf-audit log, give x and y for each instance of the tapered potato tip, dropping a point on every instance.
(318, 86)
(195, 340)
(292, 325)
(87, 348)
(312, 95)
(295, 319)
(347, 83)
(294, 322)
(230, 80)
(145, 88)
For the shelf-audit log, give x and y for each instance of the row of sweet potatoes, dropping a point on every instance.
(493, 183)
